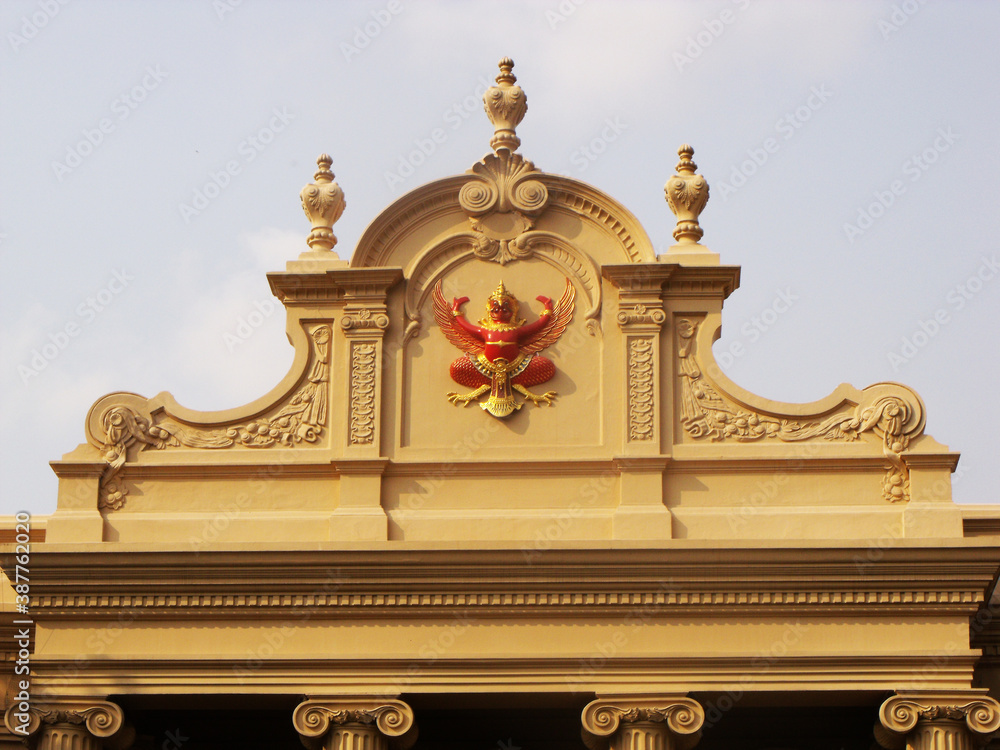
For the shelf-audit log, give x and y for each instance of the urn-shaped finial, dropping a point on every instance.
(505, 105)
(687, 194)
(323, 201)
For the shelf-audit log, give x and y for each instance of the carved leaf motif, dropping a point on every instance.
(363, 392)
(640, 389)
(300, 419)
(705, 413)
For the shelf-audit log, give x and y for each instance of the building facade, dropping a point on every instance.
(505, 497)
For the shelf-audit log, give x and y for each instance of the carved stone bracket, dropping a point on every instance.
(71, 725)
(355, 724)
(928, 721)
(301, 418)
(707, 413)
(658, 722)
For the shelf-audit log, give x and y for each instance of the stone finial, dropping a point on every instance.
(323, 201)
(687, 194)
(505, 105)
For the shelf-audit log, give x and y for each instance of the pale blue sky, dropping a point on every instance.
(842, 105)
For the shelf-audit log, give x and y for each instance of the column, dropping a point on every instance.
(355, 724)
(71, 725)
(937, 720)
(648, 722)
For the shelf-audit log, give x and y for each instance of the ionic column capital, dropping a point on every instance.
(923, 719)
(666, 722)
(370, 724)
(60, 724)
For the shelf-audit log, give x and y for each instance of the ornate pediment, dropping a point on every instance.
(638, 435)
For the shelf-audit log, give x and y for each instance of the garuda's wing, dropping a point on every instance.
(457, 335)
(550, 333)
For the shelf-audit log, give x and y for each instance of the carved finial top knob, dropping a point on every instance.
(506, 71)
(505, 105)
(323, 202)
(323, 174)
(686, 165)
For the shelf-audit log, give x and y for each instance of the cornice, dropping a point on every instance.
(606, 582)
(333, 285)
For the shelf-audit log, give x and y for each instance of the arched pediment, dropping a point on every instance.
(435, 211)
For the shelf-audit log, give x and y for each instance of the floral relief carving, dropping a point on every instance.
(362, 392)
(640, 389)
(301, 419)
(705, 413)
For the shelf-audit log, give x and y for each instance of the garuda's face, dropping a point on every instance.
(501, 310)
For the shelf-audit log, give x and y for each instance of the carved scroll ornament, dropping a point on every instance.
(98, 719)
(681, 716)
(706, 413)
(301, 418)
(392, 719)
(502, 202)
(959, 717)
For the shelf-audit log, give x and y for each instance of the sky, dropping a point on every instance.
(153, 152)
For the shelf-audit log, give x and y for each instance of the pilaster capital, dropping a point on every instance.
(971, 710)
(681, 718)
(392, 719)
(102, 720)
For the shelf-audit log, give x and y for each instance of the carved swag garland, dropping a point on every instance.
(301, 419)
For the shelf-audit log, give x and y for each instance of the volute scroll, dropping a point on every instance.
(119, 421)
(713, 408)
(681, 716)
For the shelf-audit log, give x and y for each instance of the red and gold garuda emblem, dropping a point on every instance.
(501, 353)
